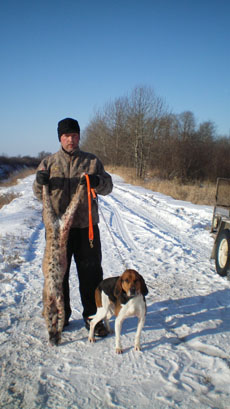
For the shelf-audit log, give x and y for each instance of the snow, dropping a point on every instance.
(185, 357)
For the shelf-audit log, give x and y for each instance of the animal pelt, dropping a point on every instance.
(55, 263)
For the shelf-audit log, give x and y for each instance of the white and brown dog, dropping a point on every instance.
(123, 297)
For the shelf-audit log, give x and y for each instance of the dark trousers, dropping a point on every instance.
(88, 262)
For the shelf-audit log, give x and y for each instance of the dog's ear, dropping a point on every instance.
(144, 289)
(118, 288)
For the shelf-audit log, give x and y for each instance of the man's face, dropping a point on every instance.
(70, 141)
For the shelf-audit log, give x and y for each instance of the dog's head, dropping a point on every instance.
(132, 283)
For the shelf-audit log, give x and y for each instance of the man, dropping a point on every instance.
(63, 171)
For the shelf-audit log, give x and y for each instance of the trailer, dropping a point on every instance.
(220, 228)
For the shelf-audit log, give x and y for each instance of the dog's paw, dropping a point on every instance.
(119, 350)
(91, 340)
(137, 348)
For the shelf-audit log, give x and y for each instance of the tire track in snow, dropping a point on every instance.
(117, 226)
(150, 220)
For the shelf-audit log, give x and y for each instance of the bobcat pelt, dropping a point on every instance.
(55, 263)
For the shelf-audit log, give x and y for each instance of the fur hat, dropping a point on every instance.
(68, 125)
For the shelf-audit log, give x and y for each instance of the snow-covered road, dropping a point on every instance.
(185, 357)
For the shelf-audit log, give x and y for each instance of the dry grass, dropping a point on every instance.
(6, 198)
(195, 193)
(17, 175)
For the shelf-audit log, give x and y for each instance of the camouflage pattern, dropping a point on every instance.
(65, 171)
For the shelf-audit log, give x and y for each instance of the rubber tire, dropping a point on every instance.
(222, 256)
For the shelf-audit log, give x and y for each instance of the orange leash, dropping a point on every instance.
(89, 192)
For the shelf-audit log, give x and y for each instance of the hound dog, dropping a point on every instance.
(123, 297)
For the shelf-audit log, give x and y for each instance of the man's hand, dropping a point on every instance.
(42, 177)
(94, 180)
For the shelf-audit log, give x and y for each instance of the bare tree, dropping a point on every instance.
(95, 138)
(145, 112)
(138, 131)
(123, 132)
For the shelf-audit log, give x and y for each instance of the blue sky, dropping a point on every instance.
(70, 57)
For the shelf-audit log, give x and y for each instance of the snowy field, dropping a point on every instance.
(185, 357)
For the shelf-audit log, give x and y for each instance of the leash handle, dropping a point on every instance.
(91, 235)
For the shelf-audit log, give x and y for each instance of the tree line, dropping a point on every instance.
(139, 131)
(10, 165)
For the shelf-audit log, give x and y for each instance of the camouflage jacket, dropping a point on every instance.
(65, 171)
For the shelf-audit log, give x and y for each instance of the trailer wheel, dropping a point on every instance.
(222, 257)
